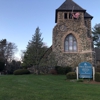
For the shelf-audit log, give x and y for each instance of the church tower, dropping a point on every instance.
(72, 41)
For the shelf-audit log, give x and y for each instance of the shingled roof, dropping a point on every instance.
(86, 15)
(69, 4)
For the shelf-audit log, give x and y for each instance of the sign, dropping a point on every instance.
(85, 70)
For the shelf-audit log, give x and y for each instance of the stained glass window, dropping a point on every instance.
(70, 44)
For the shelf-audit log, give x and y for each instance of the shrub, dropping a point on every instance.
(63, 70)
(68, 69)
(71, 75)
(53, 71)
(57, 67)
(97, 76)
(21, 72)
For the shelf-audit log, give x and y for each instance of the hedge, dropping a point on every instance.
(71, 75)
(63, 70)
(21, 72)
(97, 76)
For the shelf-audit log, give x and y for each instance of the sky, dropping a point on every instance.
(20, 18)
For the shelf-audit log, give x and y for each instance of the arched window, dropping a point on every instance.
(70, 44)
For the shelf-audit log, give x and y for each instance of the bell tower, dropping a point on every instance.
(72, 40)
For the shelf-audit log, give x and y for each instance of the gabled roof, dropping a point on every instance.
(69, 4)
(86, 15)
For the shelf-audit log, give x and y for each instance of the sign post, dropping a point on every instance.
(77, 72)
(93, 73)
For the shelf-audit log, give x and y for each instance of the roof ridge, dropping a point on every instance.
(68, 5)
(77, 4)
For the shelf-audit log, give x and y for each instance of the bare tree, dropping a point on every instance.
(7, 50)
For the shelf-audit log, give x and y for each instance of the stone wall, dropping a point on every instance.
(81, 32)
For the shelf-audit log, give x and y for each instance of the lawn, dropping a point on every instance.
(45, 87)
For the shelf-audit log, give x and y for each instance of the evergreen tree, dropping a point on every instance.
(96, 35)
(35, 50)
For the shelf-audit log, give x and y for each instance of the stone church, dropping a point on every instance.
(72, 42)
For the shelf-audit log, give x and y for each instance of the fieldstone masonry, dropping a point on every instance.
(81, 29)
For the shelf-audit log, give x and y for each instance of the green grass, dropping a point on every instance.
(45, 87)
